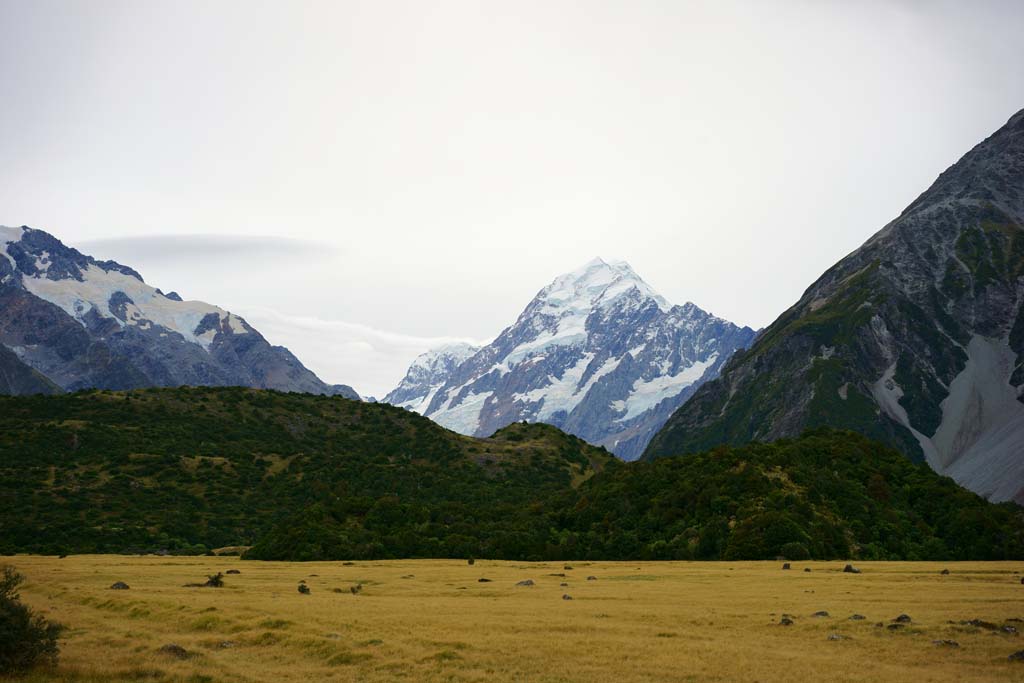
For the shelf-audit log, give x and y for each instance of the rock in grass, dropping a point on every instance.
(591, 578)
(232, 571)
(807, 570)
(566, 596)
(902, 619)
(175, 651)
(785, 621)
(820, 613)
(119, 586)
(850, 569)
(525, 582)
(471, 562)
(1017, 656)
(304, 589)
(836, 636)
(562, 585)
(945, 572)
(786, 565)
(979, 623)
(857, 617)
(895, 627)
(483, 580)
(945, 643)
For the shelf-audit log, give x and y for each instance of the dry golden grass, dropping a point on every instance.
(433, 621)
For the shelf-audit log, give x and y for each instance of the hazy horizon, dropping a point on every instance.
(362, 180)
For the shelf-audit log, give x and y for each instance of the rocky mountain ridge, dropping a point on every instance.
(84, 323)
(915, 338)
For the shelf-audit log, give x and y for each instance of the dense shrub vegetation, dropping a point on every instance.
(27, 639)
(305, 477)
(827, 494)
(186, 470)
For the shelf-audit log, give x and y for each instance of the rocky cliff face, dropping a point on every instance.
(916, 338)
(597, 353)
(16, 378)
(85, 323)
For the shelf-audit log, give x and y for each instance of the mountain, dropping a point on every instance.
(84, 323)
(597, 353)
(916, 338)
(191, 468)
(18, 378)
(427, 374)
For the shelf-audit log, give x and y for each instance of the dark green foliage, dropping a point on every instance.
(303, 477)
(836, 321)
(27, 640)
(993, 251)
(189, 469)
(828, 494)
(828, 406)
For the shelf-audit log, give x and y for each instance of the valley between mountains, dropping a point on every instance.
(881, 416)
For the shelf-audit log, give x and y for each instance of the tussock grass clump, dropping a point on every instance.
(275, 623)
(348, 658)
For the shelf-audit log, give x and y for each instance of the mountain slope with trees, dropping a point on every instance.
(914, 339)
(302, 477)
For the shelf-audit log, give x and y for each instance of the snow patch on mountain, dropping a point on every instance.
(564, 393)
(99, 287)
(646, 394)
(465, 416)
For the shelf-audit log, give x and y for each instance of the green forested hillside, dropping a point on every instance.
(309, 477)
(194, 468)
(826, 494)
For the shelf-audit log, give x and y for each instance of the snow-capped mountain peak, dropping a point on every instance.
(597, 282)
(597, 352)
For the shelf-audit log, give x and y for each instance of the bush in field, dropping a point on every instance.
(27, 639)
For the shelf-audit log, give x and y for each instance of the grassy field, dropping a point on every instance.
(435, 621)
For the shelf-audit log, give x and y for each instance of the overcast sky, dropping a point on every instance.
(361, 180)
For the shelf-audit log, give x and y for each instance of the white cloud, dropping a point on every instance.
(204, 246)
(372, 361)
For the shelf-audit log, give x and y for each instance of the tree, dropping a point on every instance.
(27, 639)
